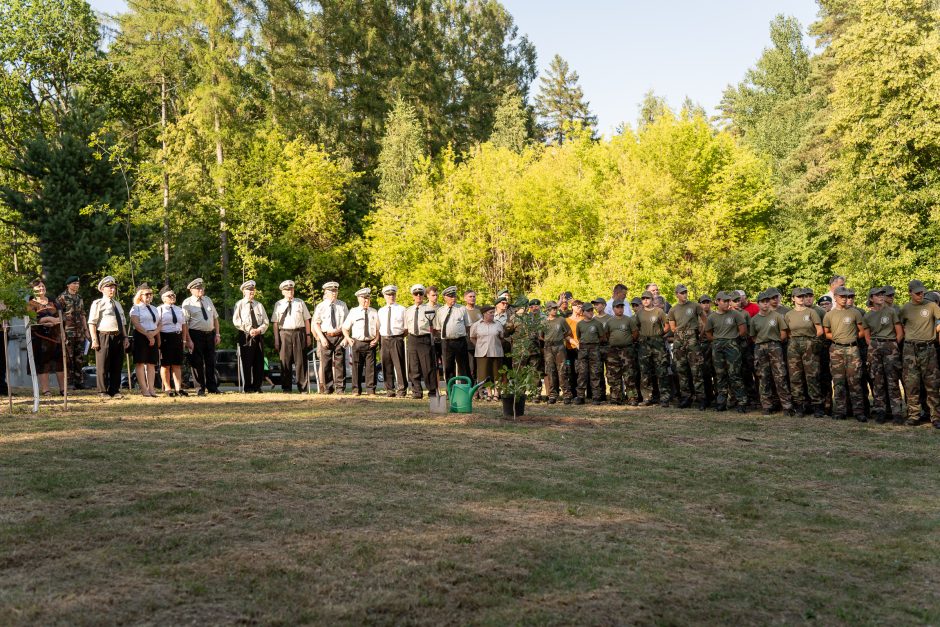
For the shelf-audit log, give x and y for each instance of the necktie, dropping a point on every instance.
(117, 315)
(152, 313)
(173, 313)
(254, 318)
(333, 316)
(286, 313)
(365, 321)
(417, 313)
(446, 318)
(205, 314)
(388, 325)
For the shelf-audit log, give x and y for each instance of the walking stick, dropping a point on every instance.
(241, 373)
(65, 365)
(30, 359)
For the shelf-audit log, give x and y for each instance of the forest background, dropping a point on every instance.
(402, 141)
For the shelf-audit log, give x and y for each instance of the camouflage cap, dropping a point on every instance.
(844, 291)
(619, 303)
(916, 286)
(772, 292)
(646, 294)
(681, 288)
(635, 301)
(876, 290)
(599, 301)
(765, 295)
(521, 301)
(551, 304)
(535, 302)
(797, 292)
(932, 296)
(889, 290)
(704, 298)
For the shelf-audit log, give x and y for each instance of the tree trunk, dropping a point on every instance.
(166, 184)
(219, 161)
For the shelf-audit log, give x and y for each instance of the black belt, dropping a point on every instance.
(589, 344)
(171, 332)
(393, 337)
(454, 339)
(917, 343)
(291, 330)
(769, 342)
(109, 332)
(846, 345)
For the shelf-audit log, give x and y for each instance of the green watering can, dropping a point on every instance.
(460, 394)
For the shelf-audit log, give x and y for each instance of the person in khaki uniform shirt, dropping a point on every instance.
(769, 330)
(203, 322)
(290, 321)
(687, 322)
(843, 326)
(653, 357)
(884, 332)
(920, 319)
(805, 327)
(326, 323)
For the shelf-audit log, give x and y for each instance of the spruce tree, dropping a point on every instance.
(402, 146)
(509, 130)
(560, 103)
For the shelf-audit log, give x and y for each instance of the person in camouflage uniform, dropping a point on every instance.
(590, 334)
(653, 357)
(805, 328)
(920, 319)
(843, 325)
(73, 312)
(769, 330)
(746, 347)
(824, 306)
(723, 328)
(622, 333)
(705, 350)
(687, 320)
(555, 356)
(883, 332)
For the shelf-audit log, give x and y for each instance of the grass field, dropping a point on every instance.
(288, 509)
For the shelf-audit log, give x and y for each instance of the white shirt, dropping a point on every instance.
(423, 327)
(146, 316)
(322, 315)
(241, 317)
(295, 319)
(193, 307)
(102, 316)
(458, 324)
(392, 320)
(355, 323)
(165, 318)
(486, 337)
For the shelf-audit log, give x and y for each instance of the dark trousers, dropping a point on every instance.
(363, 357)
(393, 364)
(571, 358)
(332, 372)
(456, 358)
(252, 356)
(75, 353)
(293, 355)
(202, 359)
(109, 359)
(421, 366)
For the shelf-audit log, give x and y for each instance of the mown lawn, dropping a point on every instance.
(289, 509)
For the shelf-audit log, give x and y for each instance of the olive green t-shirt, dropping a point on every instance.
(620, 330)
(820, 312)
(767, 327)
(783, 309)
(685, 316)
(920, 321)
(590, 331)
(880, 323)
(802, 323)
(556, 331)
(652, 322)
(724, 326)
(844, 325)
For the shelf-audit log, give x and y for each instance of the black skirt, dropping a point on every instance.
(171, 349)
(144, 353)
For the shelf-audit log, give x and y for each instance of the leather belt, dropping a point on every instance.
(846, 345)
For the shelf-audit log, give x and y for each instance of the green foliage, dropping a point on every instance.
(14, 294)
(402, 148)
(560, 103)
(512, 121)
(522, 378)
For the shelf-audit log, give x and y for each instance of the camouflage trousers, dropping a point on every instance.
(803, 364)
(621, 373)
(748, 373)
(687, 362)
(556, 370)
(769, 362)
(75, 356)
(708, 369)
(846, 366)
(920, 369)
(884, 368)
(654, 362)
(825, 373)
(726, 357)
(589, 367)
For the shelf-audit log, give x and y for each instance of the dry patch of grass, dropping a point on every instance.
(288, 509)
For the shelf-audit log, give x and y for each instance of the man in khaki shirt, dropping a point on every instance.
(291, 323)
(203, 321)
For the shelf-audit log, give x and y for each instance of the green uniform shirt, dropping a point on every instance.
(820, 312)
(881, 323)
(556, 331)
(844, 325)
(920, 321)
(652, 322)
(767, 327)
(686, 316)
(802, 323)
(782, 309)
(590, 331)
(620, 330)
(724, 326)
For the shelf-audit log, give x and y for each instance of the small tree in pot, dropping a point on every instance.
(521, 379)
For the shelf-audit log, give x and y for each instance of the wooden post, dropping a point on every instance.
(65, 365)
(6, 359)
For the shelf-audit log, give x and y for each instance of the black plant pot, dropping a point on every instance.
(509, 401)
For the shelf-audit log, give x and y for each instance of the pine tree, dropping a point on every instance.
(560, 103)
(509, 129)
(402, 146)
